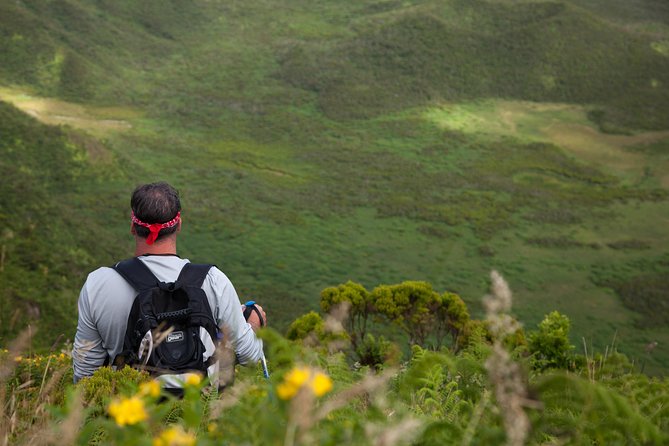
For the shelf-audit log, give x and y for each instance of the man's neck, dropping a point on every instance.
(162, 247)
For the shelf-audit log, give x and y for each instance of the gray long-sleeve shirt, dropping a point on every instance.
(106, 298)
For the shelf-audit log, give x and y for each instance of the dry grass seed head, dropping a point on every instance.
(302, 414)
(226, 359)
(498, 305)
(15, 348)
(334, 322)
(9, 418)
(504, 373)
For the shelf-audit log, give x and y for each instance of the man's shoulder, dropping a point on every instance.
(216, 273)
(217, 278)
(103, 273)
(104, 281)
(104, 276)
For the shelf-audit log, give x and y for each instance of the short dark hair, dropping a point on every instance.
(155, 203)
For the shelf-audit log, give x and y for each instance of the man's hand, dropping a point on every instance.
(253, 319)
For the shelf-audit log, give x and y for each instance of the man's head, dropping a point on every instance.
(155, 210)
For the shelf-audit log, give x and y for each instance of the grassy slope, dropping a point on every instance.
(49, 232)
(249, 113)
(436, 51)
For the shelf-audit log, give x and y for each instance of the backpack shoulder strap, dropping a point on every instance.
(193, 274)
(136, 273)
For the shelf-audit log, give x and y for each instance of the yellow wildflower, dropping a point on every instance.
(321, 384)
(298, 376)
(318, 382)
(193, 379)
(286, 391)
(174, 436)
(128, 410)
(18, 358)
(292, 382)
(151, 388)
(212, 427)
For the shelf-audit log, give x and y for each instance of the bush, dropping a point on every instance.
(376, 352)
(549, 346)
(308, 325)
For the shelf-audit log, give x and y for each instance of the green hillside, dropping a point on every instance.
(463, 50)
(47, 242)
(377, 141)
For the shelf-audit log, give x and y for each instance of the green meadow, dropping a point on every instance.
(373, 141)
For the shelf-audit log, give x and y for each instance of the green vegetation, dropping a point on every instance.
(531, 393)
(45, 242)
(463, 50)
(320, 142)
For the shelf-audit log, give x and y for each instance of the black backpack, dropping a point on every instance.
(163, 335)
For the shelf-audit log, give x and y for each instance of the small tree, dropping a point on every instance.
(549, 346)
(310, 324)
(411, 305)
(452, 317)
(357, 298)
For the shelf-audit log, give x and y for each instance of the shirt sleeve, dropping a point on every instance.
(88, 353)
(228, 312)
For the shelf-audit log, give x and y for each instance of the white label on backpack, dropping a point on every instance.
(175, 336)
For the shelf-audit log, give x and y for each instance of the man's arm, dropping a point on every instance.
(88, 353)
(248, 348)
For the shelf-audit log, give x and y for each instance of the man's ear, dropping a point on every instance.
(132, 229)
(179, 226)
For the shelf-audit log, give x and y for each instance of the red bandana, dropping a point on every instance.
(155, 228)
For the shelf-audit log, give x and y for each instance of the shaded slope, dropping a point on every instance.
(476, 49)
(80, 49)
(46, 241)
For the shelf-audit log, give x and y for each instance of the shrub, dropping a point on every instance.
(549, 346)
(376, 352)
(98, 388)
(307, 325)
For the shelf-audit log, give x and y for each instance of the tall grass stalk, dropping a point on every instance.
(505, 374)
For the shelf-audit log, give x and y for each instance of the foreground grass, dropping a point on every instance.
(317, 395)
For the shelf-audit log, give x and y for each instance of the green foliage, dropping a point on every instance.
(583, 412)
(475, 335)
(44, 242)
(642, 288)
(648, 396)
(410, 305)
(549, 345)
(422, 313)
(310, 324)
(253, 90)
(50, 370)
(541, 51)
(453, 314)
(434, 398)
(648, 295)
(357, 302)
(376, 352)
(105, 383)
(79, 50)
(309, 123)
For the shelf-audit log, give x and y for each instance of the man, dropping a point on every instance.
(106, 298)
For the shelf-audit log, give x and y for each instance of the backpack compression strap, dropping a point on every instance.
(136, 273)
